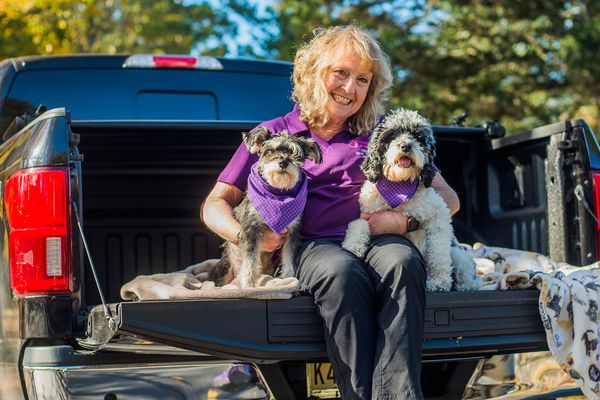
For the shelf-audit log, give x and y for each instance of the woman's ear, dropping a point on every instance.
(255, 138)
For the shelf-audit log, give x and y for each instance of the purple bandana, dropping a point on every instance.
(396, 193)
(277, 207)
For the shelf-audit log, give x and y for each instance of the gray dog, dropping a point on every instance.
(274, 200)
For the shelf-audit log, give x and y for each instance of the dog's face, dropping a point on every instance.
(281, 156)
(402, 148)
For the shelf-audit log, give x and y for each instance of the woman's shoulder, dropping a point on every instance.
(290, 122)
(275, 124)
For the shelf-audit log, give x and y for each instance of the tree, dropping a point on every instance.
(110, 26)
(525, 63)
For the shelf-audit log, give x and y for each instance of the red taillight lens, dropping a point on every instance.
(596, 180)
(39, 216)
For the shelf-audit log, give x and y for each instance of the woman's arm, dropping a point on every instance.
(448, 194)
(217, 213)
(383, 222)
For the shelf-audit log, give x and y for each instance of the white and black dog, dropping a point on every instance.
(399, 170)
(275, 199)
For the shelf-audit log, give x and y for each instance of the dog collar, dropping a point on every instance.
(278, 208)
(396, 193)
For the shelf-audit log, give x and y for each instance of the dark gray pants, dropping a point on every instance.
(373, 314)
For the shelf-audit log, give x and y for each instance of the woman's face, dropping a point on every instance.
(347, 82)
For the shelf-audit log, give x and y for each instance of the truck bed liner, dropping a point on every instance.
(457, 325)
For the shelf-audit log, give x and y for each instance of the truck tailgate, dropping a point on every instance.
(457, 325)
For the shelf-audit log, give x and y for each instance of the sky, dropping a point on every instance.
(244, 37)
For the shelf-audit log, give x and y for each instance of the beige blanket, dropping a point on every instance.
(193, 283)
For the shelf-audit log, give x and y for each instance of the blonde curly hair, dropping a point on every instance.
(313, 61)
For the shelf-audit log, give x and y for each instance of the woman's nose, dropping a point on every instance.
(348, 85)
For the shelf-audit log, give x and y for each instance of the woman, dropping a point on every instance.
(372, 309)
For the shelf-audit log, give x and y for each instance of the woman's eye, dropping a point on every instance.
(363, 79)
(340, 73)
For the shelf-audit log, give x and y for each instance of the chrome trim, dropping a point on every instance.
(160, 381)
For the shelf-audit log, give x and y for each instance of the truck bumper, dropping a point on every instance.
(58, 372)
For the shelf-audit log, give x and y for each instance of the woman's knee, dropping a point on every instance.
(336, 271)
(394, 258)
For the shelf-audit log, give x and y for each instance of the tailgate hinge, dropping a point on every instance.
(111, 321)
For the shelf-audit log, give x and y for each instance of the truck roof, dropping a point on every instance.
(145, 87)
(82, 61)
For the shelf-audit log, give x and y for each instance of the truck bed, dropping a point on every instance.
(457, 325)
(133, 233)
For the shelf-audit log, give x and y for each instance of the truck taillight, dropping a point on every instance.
(39, 218)
(596, 179)
(172, 61)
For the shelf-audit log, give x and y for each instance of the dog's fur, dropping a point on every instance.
(406, 134)
(281, 157)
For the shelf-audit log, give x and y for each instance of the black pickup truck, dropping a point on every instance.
(155, 132)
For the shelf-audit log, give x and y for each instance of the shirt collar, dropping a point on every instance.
(295, 125)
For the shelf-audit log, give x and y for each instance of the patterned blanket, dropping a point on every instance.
(568, 303)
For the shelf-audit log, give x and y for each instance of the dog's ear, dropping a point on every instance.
(255, 138)
(427, 174)
(311, 149)
(427, 133)
(429, 169)
(372, 165)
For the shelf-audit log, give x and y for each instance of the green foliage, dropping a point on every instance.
(109, 26)
(525, 63)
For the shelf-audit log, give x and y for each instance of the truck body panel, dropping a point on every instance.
(138, 172)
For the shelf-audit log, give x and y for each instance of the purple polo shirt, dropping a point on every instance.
(333, 185)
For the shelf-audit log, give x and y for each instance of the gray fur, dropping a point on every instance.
(243, 263)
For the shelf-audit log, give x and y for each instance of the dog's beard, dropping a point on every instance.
(395, 169)
(285, 178)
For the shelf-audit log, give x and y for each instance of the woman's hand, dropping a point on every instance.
(271, 241)
(382, 222)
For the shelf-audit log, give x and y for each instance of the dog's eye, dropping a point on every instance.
(283, 149)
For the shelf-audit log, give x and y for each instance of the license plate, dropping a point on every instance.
(320, 381)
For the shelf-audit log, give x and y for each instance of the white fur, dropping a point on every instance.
(433, 238)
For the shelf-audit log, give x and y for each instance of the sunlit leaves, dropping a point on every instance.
(109, 26)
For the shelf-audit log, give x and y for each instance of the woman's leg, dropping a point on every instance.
(398, 275)
(345, 296)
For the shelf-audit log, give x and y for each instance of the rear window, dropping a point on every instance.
(165, 105)
(114, 94)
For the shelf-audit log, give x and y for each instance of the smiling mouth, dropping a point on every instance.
(341, 99)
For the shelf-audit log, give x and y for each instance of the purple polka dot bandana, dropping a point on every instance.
(278, 208)
(396, 193)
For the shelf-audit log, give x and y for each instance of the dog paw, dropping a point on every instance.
(358, 249)
(286, 271)
(438, 285)
(357, 238)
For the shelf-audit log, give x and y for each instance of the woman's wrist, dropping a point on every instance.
(403, 223)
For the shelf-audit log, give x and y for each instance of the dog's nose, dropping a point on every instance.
(283, 163)
(405, 147)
